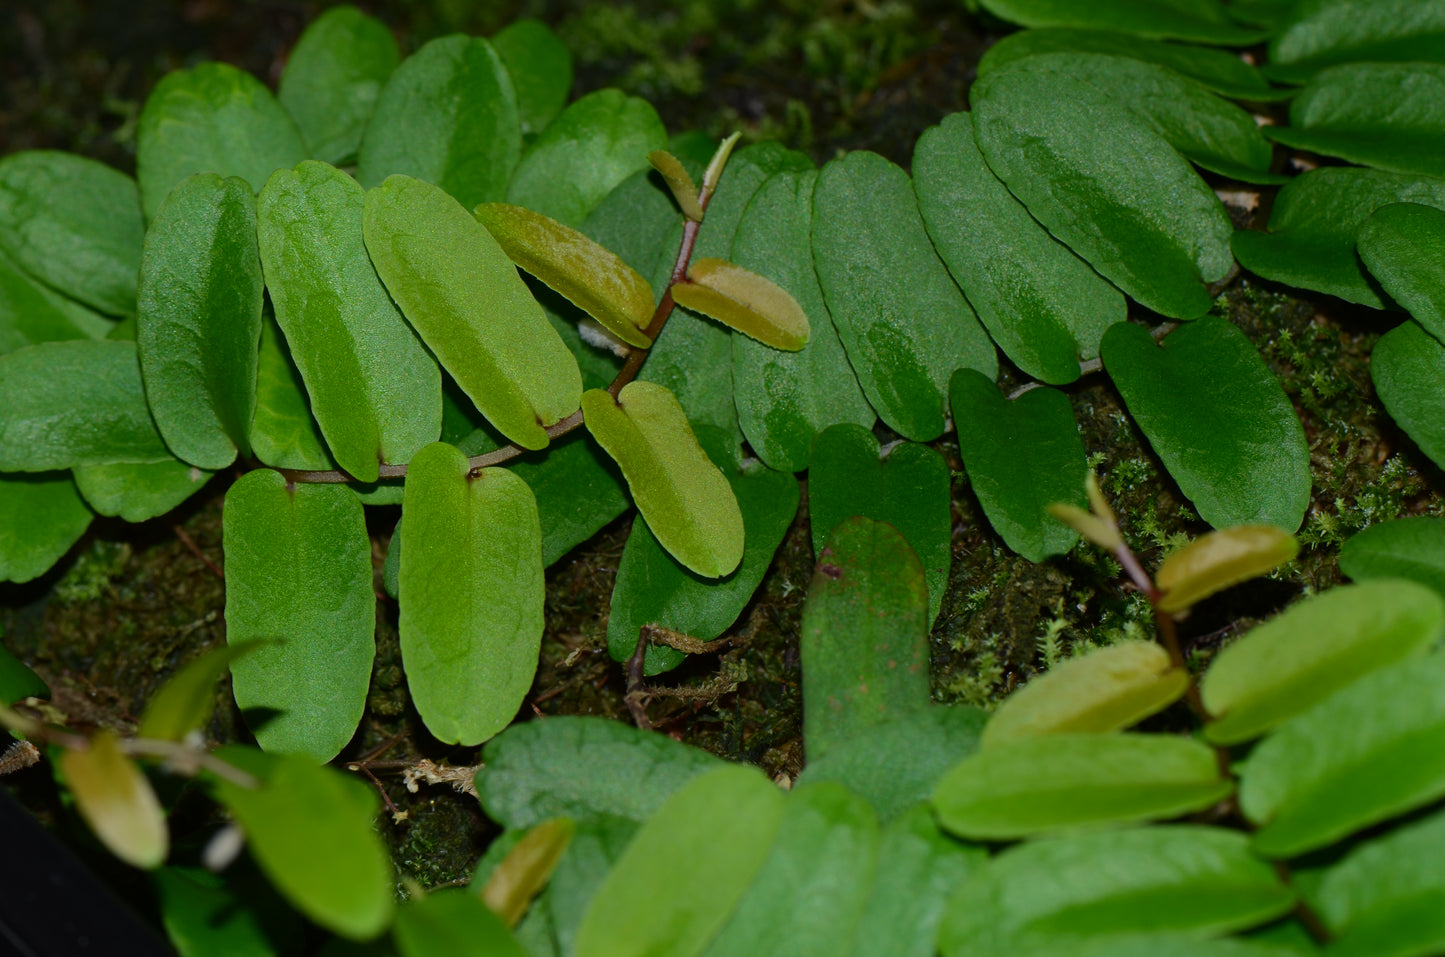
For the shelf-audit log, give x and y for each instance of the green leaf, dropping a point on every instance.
(1106, 689)
(374, 389)
(17, 681)
(1217, 418)
(909, 490)
(1104, 888)
(31, 313)
(204, 917)
(540, 66)
(1406, 366)
(1386, 115)
(550, 927)
(185, 702)
(1044, 306)
(471, 594)
(522, 874)
(199, 319)
(310, 829)
(448, 115)
(1412, 548)
(1386, 736)
(686, 869)
(78, 402)
(864, 643)
(1219, 560)
(596, 143)
(41, 516)
(211, 119)
(74, 224)
(785, 399)
(578, 767)
(653, 588)
(333, 79)
(1105, 182)
(1021, 456)
(116, 801)
(1322, 33)
(1219, 70)
(298, 573)
(452, 922)
(578, 491)
(1199, 21)
(1313, 649)
(809, 896)
(138, 492)
(902, 321)
(686, 501)
(895, 764)
(1397, 244)
(1067, 780)
(1314, 223)
(283, 432)
(462, 294)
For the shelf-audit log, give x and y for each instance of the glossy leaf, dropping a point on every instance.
(1386, 115)
(578, 767)
(686, 501)
(452, 922)
(1412, 548)
(522, 874)
(470, 593)
(214, 118)
(41, 516)
(78, 402)
(1021, 456)
(310, 829)
(1314, 223)
(448, 116)
(298, 575)
(139, 492)
(116, 801)
(653, 588)
(462, 294)
(902, 321)
(1313, 649)
(1406, 367)
(1053, 895)
(597, 142)
(1103, 181)
(1044, 306)
(591, 277)
(1386, 756)
(373, 388)
(864, 642)
(283, 432)
(17, 681)
(909, 490)
(540, 66)
(31, 313)
(74, 224)
(333, 78)
(1398, 244)
(1107, 689)
(199, 319)
(1201, 21)
(185, 702)
(705, 845)
(744, 301)
(1322, 33)
(1218, 419)
(1066, 780)
(785, 399)
(1219, 560)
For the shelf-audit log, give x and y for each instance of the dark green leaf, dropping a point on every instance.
(373, 387)
(298, 572)
(1398, 244)
(1201, 21)
(452, 922)
(138, 492)
(199, 318)
(578, 766)
(211, 119)
(1321, 33)
(204, 917)
(909, 490)
(1412, 548)
(74, 224)
(578, 491)
(540, 66)
(333, 78)
(31, 313)
(903, 322)
(41, 516)
(1021, 456)
(1218, 419)
(185, 702)
(1106, 183)
(17, 681)
(1407, 367)
(448, 115)
(283, 433)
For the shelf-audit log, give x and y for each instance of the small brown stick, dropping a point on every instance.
(195, 549)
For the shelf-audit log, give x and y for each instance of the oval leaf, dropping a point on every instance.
(540, 66)
(283, 432)
(1219, 560)
(745, 301)
(523, 873)
(41, 516)
(333, 79)
(1202, 21)
(1412, 548)
(116, 801)
(1398, 244)
(1407, 366)
(1326, 32)
(185, 702)
(31, 313)
(138, 492)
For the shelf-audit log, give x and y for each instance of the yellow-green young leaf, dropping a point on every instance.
(591, 276)
(461, 293)
(679, 181)
(1314, 648)
(116, 801)
(745, 301)
(470, 588)
(186, 700)
(1089, 525)
(1215, 561)
(687, 502)
(1105, 690)
(525, 870)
